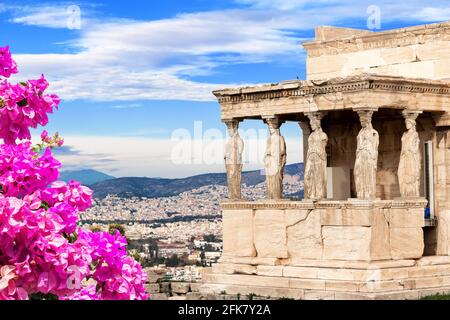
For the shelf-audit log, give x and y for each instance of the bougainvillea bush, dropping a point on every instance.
(44, 254)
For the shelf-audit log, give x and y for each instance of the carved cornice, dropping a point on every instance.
(387, 39)
(325, 204)
(309, 89)
(278, 205)
(409, 203)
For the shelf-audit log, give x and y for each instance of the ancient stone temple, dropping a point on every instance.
(375, 221)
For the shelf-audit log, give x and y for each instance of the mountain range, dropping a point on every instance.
(104, 185)
(87, 176)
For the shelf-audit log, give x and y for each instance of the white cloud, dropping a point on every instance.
(51, 17)
(126, 60)
(433, 14)
(128, 106)
(138, 156)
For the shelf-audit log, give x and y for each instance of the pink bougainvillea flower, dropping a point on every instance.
(42, 248)
(7, 65)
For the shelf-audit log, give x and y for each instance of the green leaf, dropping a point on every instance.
(22, 103)
(44, 205)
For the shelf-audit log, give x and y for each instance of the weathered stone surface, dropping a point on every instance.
(195, 286)
(314, 284)
(434, 291)
(430, 282)
(178, 298)
(304, 238)
(293, 216)
(159, 296)
(153, 277)
(358, 217)
(380, 235)
(238, 233)
(406, 243)
(166, 287)
(429, 271)
(433, 260)
(152, 287)
(231, 268)
(340, 274)
(194, 296)
(346, 243)
(375, 285)
(271, 271)
(406, 218)
(242, 291)
(442, 69)
(254, 261)
(334, 285)
(180, 287)
(402, 295)
(262, 281)
(270, 233)
(352, 264)
(443, 233)
(300, 272)
(319, 295)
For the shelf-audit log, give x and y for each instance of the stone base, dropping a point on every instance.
(332, 280)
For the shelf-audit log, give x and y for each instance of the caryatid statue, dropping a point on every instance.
(366, 157)
(275, 160)
(410, 160)
(316, 160)
(233, 159)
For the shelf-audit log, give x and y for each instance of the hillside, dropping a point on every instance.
(156, 187)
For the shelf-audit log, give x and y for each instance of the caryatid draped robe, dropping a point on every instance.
(366, 163)
(316, 166)
(233, 163)
(275, 160)
(410, 165)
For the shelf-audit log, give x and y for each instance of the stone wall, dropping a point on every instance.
(160, 289)
(417, 52)
(327, 230)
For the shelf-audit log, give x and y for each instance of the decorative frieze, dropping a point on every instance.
(324, 204)
(386, 39)
(338, 85)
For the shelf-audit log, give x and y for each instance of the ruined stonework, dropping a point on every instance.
(386, 97)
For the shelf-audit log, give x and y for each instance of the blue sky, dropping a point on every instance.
(136, 71)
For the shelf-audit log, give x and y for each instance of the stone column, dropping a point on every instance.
(233, 159)
(365, 170)
(410, 158)
(275, 159)
(306, 129)
(316, 160)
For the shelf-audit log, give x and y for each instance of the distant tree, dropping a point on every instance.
(203, 258)
(95, 229)
(173, 261)
(211, 238)
(116, 226)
